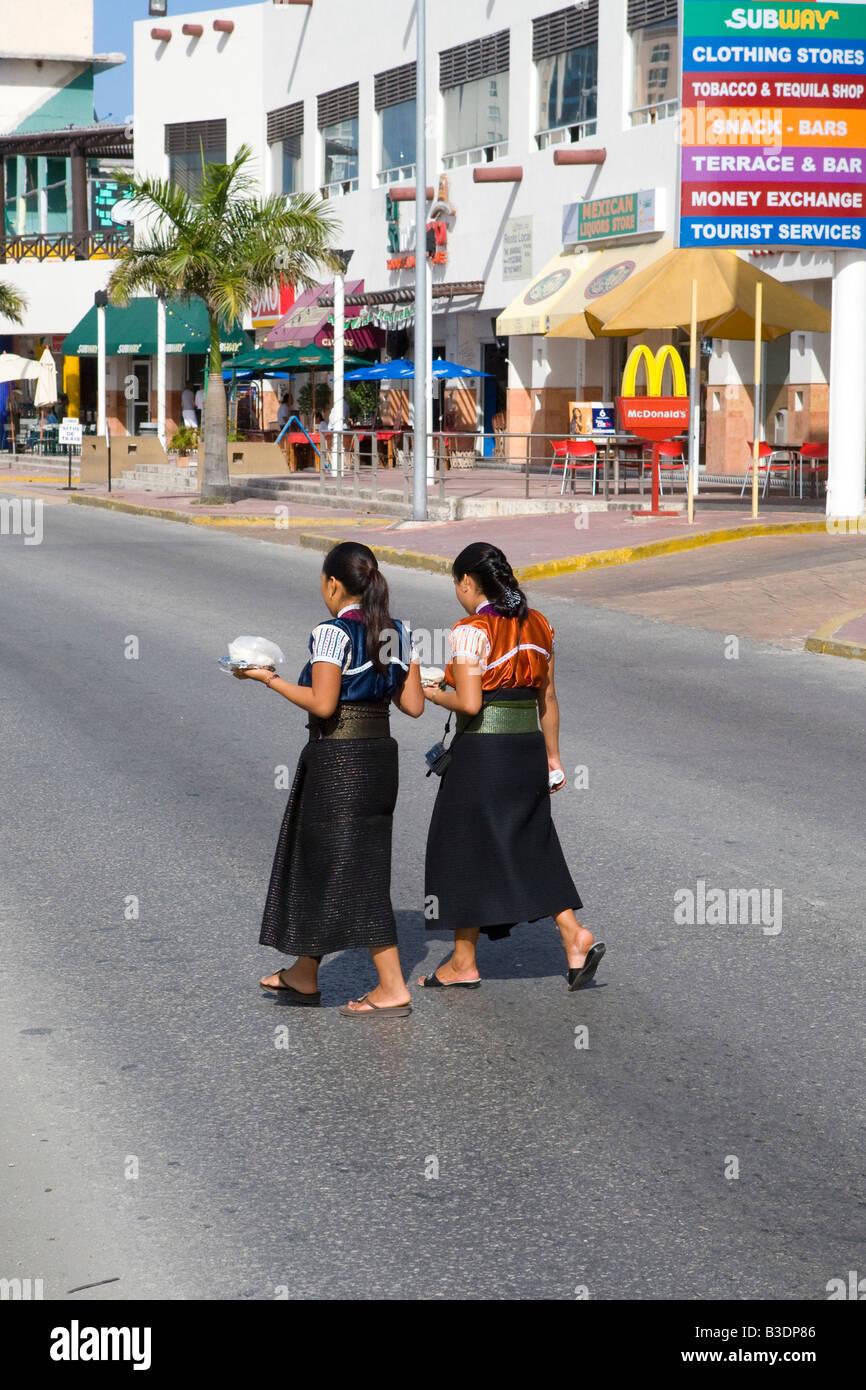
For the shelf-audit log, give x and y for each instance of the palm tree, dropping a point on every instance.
(12, 304)
(226, 245)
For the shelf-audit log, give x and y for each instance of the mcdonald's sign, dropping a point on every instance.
(655, 417)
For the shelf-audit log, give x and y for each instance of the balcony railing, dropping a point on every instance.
(65, 246)
(566, 134)
(659, 111)
(402, 174)
(339, 189)
(480, 155)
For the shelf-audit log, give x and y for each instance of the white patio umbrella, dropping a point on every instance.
(46, 380)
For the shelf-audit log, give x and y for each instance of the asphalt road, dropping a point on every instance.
(289, 1150)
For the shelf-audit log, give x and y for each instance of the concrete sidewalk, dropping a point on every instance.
(538, 546)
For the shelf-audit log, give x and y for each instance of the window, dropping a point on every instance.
(473, 78)
(654, 35)
(286, 138)
(338, 123)
(395, 102)
(565, 52)
(10, 169)
(55, 196)
(32, 217)
(189, 146)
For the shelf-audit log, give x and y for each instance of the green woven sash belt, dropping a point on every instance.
(513, 717)
(357, 720)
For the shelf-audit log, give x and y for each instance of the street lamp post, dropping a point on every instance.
(160, 368)
(100, 299)
(338, 411)
(422, 346)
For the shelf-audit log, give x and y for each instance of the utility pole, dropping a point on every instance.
(422, 346)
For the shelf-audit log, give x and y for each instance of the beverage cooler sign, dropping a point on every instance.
(774, 125)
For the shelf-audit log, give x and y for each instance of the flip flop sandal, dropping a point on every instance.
(376, 1010)
(581, 975)
(433, 982)
(295, 996)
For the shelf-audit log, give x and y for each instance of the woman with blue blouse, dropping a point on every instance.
(330, 886)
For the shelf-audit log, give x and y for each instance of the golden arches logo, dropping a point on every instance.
(655, 370)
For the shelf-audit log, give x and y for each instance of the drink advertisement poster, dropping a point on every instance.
(774, 125)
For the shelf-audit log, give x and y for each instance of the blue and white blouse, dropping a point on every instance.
(341, 641)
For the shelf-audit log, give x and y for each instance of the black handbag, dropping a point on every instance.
(438, 758)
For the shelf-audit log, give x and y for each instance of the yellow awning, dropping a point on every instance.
(530, 311)
(603, 272)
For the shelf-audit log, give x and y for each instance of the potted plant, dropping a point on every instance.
(183, 442)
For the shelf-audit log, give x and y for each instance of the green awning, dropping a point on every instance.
(132, 331)
(284, 359)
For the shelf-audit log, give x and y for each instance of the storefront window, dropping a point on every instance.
(568, 92)
(340, 150)
(656, 73)
(398, 136)
(476, 115)
(11, 173)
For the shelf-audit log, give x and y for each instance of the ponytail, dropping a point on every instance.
(495, 578)
(355, 567)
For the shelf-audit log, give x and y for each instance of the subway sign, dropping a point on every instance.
(774, 125)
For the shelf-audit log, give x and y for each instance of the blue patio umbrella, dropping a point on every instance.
(402, 370)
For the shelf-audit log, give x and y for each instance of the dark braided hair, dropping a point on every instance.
(355, 567)
(494, 576)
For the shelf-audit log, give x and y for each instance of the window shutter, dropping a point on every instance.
(187, 136)
(390, 88)
(564, 29)
(470, 61)
(341, 104)
(287, 121)
(644, 12)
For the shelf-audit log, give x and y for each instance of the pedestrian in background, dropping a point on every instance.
(330, 886)
(187, 405)
(493, 854)
(199, 404)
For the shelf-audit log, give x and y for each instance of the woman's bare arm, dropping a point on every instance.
(410, 698)
(466, 697)
(548, 714)
(320, 699)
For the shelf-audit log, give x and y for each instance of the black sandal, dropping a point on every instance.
(295, 996)
(433, 982)
(581, 975)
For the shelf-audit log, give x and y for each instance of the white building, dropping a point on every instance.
(532, 109)
(57, 166)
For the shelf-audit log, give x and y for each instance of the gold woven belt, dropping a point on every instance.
(513, 717)
(357, 720)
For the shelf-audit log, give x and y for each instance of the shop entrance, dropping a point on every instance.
(495, 392)
(138, 395)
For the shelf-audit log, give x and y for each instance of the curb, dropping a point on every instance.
(439, 564)
(189, 519)
(573, 564)
(823, 643)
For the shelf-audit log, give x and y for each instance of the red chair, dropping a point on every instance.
(812, 455)
(566, 451)
(670, 456)
(766, 466)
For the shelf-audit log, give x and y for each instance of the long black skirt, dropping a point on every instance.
(330, 884)
(493, 854)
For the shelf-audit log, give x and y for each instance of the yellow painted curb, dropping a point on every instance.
(408, 559)
(190, 519)
(825, 644)
(573, 564)
(649, 550)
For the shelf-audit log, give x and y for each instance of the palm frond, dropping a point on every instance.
(12, 303)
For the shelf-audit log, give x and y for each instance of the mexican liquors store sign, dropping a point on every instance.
(774, 125)
(607, 219)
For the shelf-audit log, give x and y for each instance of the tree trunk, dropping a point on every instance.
(215, 473)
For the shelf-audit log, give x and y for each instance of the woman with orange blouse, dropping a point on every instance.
(493, 854)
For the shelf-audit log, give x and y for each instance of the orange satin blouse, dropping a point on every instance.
(506, 662)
